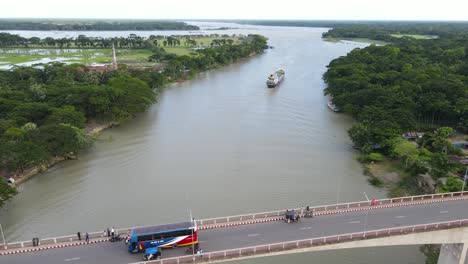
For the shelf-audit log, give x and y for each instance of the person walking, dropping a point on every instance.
(78, 235)
(108, 232)
(87, 237)
(112, 232)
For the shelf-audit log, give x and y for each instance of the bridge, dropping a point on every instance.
(426, 219)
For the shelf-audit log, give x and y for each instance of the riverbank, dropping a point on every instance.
(93, 129)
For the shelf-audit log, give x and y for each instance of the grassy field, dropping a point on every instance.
(89, 56)
(362, 40)
(415, 36)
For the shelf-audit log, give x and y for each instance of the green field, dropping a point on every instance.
(414, 36)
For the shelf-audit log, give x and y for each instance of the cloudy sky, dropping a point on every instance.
(239, 9)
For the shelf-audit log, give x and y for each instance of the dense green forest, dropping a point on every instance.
(87, 25)
(44, 110)
(384, 31)
(410, 85)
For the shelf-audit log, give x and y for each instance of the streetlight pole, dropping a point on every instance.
(464, 179)
(367, 213)
(3, 237)
(367, 198)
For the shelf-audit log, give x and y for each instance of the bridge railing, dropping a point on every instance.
(307, 243)
(333, 207)
(256, 216)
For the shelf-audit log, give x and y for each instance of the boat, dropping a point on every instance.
(332, 106)
(275, 78)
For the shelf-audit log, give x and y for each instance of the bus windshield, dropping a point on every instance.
(164, 236)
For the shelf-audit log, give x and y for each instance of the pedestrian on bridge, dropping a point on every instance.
(78, 235)
(87, 237)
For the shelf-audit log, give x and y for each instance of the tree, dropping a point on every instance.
(437, 141)
(406, 151)
(39, 93)
(440, 165)
(14, 133)
(21, 155)
(30, 112)
(453, 184)
(131, 96)
(360, 135)
(29, 126)
(6, 191)
(59, 139)
(66, 115)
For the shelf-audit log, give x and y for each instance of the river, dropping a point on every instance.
(220, 144)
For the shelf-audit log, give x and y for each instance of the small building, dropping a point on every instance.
(460, 159)
(460, 144)
(413, 135)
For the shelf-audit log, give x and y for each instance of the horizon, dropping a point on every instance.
(366, 10)
(233, 20)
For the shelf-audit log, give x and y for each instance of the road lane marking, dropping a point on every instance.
(72, 259)
(309, 227)
(355, 222)
(443, 212)
(400, 216)
(252, 235)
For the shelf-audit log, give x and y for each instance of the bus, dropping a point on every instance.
(162, 236)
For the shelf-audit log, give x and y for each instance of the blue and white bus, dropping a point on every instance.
(162, 236)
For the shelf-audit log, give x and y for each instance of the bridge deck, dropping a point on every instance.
(259, 234)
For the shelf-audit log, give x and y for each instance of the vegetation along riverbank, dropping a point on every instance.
(44, 110)
(410, 99)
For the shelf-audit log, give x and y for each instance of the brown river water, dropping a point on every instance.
(220, 144)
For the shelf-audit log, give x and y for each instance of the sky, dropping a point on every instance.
(239, 9)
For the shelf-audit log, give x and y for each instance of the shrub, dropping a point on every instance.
(376, 182)
(375, 157)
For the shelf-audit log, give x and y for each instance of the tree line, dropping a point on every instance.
(44, 110)
(383, 31)
(133, 41)
(209, 57)
(97, 25)
(410, 85)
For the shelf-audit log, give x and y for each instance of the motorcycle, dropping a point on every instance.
(152, 253)
(291, 216)
(192, 249)
(308, 213)
(115, 238)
